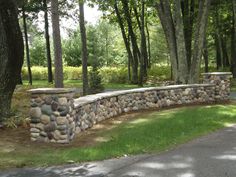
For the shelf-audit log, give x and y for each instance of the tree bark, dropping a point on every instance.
(11, 54)
(205, 56)
(84, 48)
(27, 46)
(143, 46)
(144, 49)
(149, 46)
(180, 43)
(200, 33)
(233, 47)
(47, 38)
(218, 52)
(188, 19)
(57, 45)
(225, 52)
(143, 35)
(136, 52)
(125, 38)
(165, 16)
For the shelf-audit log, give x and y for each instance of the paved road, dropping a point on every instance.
(211, 156)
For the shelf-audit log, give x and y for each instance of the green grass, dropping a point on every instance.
(150, 132)
(75, 83)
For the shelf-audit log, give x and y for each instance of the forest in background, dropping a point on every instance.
(106, 47)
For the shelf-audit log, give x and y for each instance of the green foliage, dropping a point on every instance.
(72, 50)
(40, 73)
(104, 43)
(95, 82)
(114, 74)
(160, 72)
(72, 73)
(38, 52)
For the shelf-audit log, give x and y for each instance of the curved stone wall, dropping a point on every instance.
(57, 117)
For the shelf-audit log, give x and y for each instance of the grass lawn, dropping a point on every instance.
(147, 132)
(75, 83)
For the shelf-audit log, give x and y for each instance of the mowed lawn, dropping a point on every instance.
(147, 132)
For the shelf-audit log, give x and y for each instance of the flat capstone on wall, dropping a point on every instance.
(56, 116)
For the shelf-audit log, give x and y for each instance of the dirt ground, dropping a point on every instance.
(19, 138)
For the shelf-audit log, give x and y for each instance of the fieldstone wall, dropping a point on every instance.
(222, 84)
(57, 117)
(51, 115)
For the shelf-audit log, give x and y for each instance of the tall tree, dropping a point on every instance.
(84, 48)
(125, 38)
(136, 52)
(57, 45)
(174, 25)
(199, 37)
(233, 53)
(27, 45)
(142, 60)
(47, 38)
(11, 54)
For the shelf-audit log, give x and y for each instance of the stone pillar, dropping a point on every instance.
(51, 114)
(222, 84)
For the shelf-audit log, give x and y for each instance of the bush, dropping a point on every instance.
(95, 82)
(72, 73)
(159, 73)
(114, 74)
(38, 73)
(41, 73)
(117, 75)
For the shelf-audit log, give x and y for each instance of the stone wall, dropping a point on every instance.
(51, 115)
(57, 117)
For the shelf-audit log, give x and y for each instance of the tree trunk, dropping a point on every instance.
(180, 43)
(218, 52)
(199, 37)
(47, 38)
(188, 19)
(205, 56)
(165, 15)
(149, 46)
(225, 52)
(27, 46)
(125, 38)
(136, 52)
(144, 49)
(11, 54)
(84, 48)
(143, 46)
(233, 59)
(57, 45)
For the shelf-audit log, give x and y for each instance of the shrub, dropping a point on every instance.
(114, 74)
(159, 73)
(38, 73)
(95, 82)
(72, 73)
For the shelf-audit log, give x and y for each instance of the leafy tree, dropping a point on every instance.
(37, 52)
(174, 24)
(72, 50)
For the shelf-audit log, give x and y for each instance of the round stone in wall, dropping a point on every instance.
(46, 109)
(35, 112)
(45, 119)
